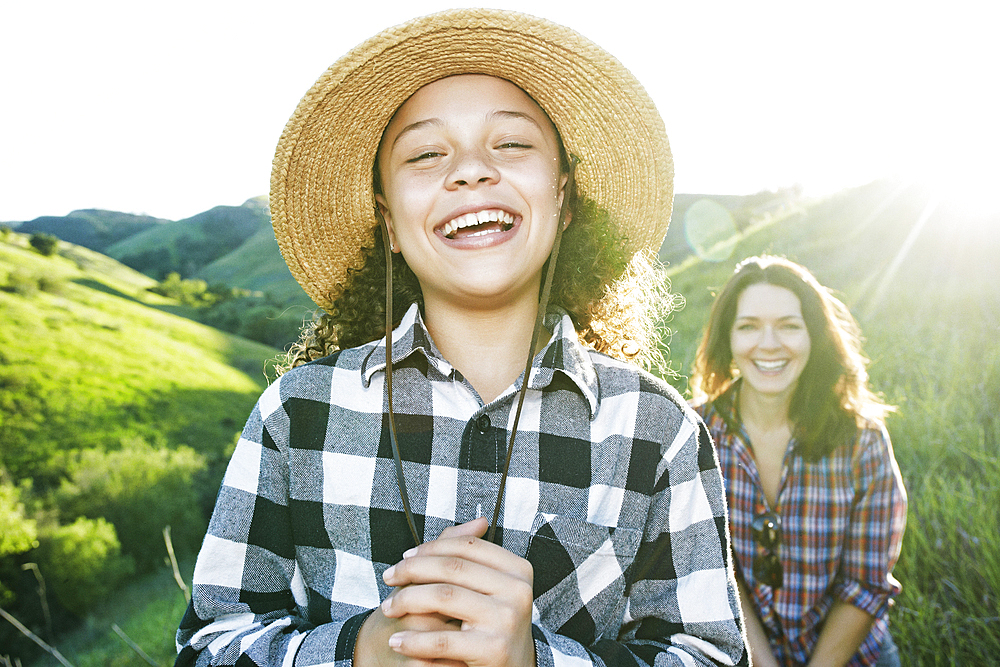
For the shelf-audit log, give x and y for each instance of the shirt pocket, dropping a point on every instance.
(579, 575)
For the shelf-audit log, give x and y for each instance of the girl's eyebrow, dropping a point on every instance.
(493, 115)
(415, 126)
(514, 114)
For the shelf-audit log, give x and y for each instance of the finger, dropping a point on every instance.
(475, 528)
(491, 578)
(427, 623)
(429, 645)
(501, 612)
(463, 548)
(465, 647)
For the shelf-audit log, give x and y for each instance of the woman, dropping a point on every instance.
(816, 502)
(451, 469)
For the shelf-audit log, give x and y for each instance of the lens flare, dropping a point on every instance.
(710, 230)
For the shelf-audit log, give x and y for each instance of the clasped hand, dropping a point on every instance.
(459, 600)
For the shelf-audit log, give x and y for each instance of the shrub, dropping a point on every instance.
(46, 244)
(22, 283)
(17, 531)
(140, 489)
(83, 563)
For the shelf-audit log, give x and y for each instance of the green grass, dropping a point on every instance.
(96, 370)
(147, 611)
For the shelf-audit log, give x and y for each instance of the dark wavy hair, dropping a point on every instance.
(833, 397)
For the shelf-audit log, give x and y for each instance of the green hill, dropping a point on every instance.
(91, 228)
(117, 417)
(257, 265)
(186, 246)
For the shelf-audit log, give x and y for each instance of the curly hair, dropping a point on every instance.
(615, 300)
(832, 397)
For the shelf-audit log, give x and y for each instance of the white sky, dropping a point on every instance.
(171, 108)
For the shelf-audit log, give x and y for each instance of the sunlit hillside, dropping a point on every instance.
(116, 419)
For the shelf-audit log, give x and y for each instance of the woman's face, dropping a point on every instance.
(769, 340)
(472, 187)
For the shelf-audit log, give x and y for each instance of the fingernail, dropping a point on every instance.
(396, 640)
(388, 573)
(386, 605)
(409, 553)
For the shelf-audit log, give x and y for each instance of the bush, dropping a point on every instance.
(17, 531)
(83, 563)
(140, 489)
(46, 244)
(22, 283)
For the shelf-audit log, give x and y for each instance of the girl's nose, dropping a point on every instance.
(473, 168)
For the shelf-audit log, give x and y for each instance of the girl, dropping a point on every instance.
(475, 482)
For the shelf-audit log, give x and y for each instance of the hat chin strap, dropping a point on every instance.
(539, 326)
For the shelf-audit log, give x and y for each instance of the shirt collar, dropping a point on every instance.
(563, 354)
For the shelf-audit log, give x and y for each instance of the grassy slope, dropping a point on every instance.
(257, 265)
(96, 360)
(107, 364)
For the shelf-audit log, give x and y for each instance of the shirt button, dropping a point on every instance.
(483, 424)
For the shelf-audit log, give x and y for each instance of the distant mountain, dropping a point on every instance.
(186, 246)
(257, 265)
(91, 228)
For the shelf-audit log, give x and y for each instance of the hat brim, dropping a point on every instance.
(322, 199)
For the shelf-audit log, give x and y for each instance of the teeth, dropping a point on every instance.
(478, 218)
(770, 365)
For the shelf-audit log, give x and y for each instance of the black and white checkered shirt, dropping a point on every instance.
(614, 495)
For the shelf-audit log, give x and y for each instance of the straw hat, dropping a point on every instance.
(322, 202)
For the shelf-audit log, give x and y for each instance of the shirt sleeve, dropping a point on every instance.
(878, 519)
(249, 605)
(682, 604)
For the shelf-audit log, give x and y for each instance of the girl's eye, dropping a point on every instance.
(746, 326)
(514, 144)
(427, 155)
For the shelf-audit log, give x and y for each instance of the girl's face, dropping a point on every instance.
(769, 339)
(471, 188)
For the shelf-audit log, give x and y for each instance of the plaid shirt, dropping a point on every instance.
(842, 521)
(614, 495)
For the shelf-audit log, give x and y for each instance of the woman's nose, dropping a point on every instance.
(769, 338)
(473, 168)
